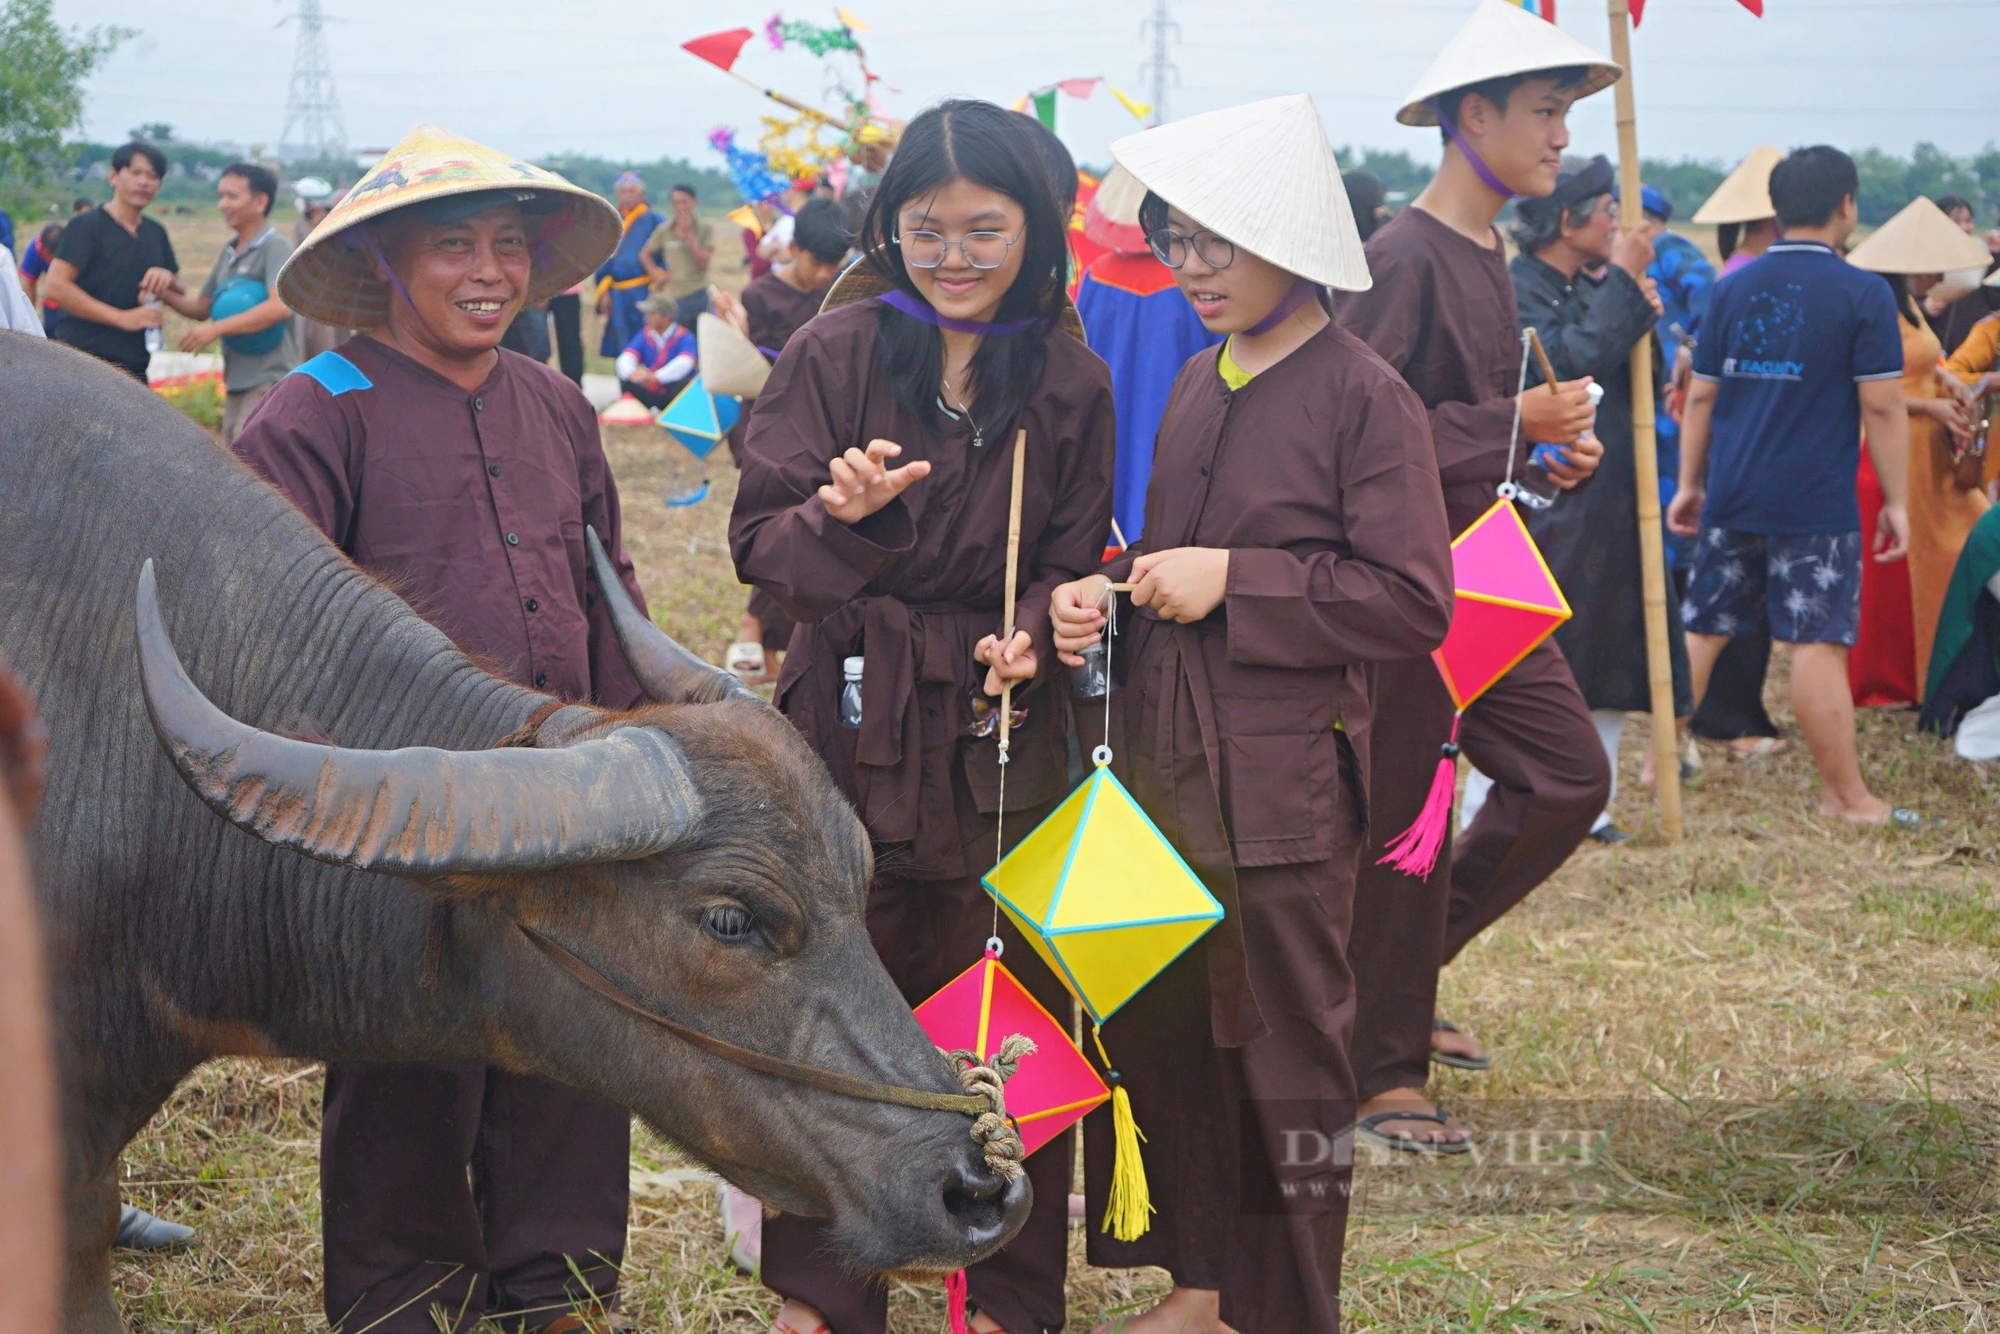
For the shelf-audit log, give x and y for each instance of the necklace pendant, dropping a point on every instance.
(978, 438)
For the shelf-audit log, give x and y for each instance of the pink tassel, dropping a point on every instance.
(1415, 851)
(955, 1302)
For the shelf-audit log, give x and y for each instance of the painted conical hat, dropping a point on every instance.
(1500, 39)
(1112, 220)
(861, 282)
(1920, 239)
(1745, 194)
(1263, 176)
(730, 363)
(330, 277)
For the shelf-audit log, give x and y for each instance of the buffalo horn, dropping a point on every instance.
(418, 811)
(667, 671)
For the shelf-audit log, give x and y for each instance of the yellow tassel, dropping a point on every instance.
(1128, 1213)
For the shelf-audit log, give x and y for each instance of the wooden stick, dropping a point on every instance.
(1542, 359)
(1123, 588)
(1013, 575)
(783, 100)
(1646, 472)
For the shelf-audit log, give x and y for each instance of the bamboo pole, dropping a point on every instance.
(1013, 577)
(1645, 457)
(783, 100)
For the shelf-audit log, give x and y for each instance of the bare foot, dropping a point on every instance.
(986, 1324)
(1185, 1311)
(795, 1317)
(1872, 811)
(1422, 1130)
(1757, 747)
(1452, 1042)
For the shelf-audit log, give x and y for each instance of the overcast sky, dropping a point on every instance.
(544, 76)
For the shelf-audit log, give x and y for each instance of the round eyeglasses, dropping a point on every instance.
(1171, 248)
(982, 250)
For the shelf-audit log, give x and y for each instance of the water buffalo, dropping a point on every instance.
(267, 886)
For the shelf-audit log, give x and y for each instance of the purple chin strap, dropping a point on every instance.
(918, 309)
(1302, 292)
(1472, 159)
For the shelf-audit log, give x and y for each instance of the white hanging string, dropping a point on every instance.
(1507, 490)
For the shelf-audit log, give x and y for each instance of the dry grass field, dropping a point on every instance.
(1782, 1037)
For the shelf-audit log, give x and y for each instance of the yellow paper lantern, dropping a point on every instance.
(1102, 895)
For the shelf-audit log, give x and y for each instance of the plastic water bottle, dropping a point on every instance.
(1089, 681)
(156, 337)
(1537, 490)
(850, 691)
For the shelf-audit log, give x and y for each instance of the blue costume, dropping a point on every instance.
(656, 350)
(1684, 276)
(627, 279)
(1143, 327)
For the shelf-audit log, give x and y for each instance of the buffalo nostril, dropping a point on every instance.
(989, 1207)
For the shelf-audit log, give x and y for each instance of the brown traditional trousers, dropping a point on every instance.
(1263, 1221)
(1528, 733)
(928, 932)
(469, 1190)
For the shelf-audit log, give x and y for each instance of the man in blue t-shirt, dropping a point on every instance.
(1798, 351)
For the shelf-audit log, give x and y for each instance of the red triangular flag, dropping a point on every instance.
(719, 49)
(1638, 8)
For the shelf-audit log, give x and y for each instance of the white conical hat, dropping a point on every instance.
(1263, 176)
(1920, 239)
(1112, 220)
(1745, 194)
(1498, 40)
(331, 279)
(730, 363)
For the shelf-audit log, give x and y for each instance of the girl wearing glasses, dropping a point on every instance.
(1295, 534)
(874, 507)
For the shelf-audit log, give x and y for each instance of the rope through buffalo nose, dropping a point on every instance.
(993, 1130)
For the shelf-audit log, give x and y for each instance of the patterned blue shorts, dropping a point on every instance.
(1808, 589)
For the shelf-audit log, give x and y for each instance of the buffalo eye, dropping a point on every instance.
(730, 923)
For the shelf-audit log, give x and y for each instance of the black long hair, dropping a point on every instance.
(990, 146)
(1906, 305)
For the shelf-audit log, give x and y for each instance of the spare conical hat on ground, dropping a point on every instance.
(730, 363)
(1112, 220)
(1263, 176)
(1745, 194)
(1920, 239)
(1500, 39)
(861, 282)
(330, 278)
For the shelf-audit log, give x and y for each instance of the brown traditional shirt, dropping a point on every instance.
(1441, 312)
(777, 310)
(472, 504)
(914, 586)
(1317, 477)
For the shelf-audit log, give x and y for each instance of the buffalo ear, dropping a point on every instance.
(668, 672)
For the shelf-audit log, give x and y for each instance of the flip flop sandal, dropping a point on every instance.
(1452, 1058)
(1365, 1131)
(745, 660)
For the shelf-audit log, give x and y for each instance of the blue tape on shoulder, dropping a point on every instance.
(335, 373)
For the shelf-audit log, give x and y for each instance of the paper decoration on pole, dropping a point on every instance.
(1637, 9)
(1507, 603)
(719, 49)
(751, 173)
(731, 365)
(1102, 895)
(1055, 1087)
(698, 419)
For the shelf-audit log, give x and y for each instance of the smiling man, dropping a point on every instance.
(1442, 312)
(465, 474)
